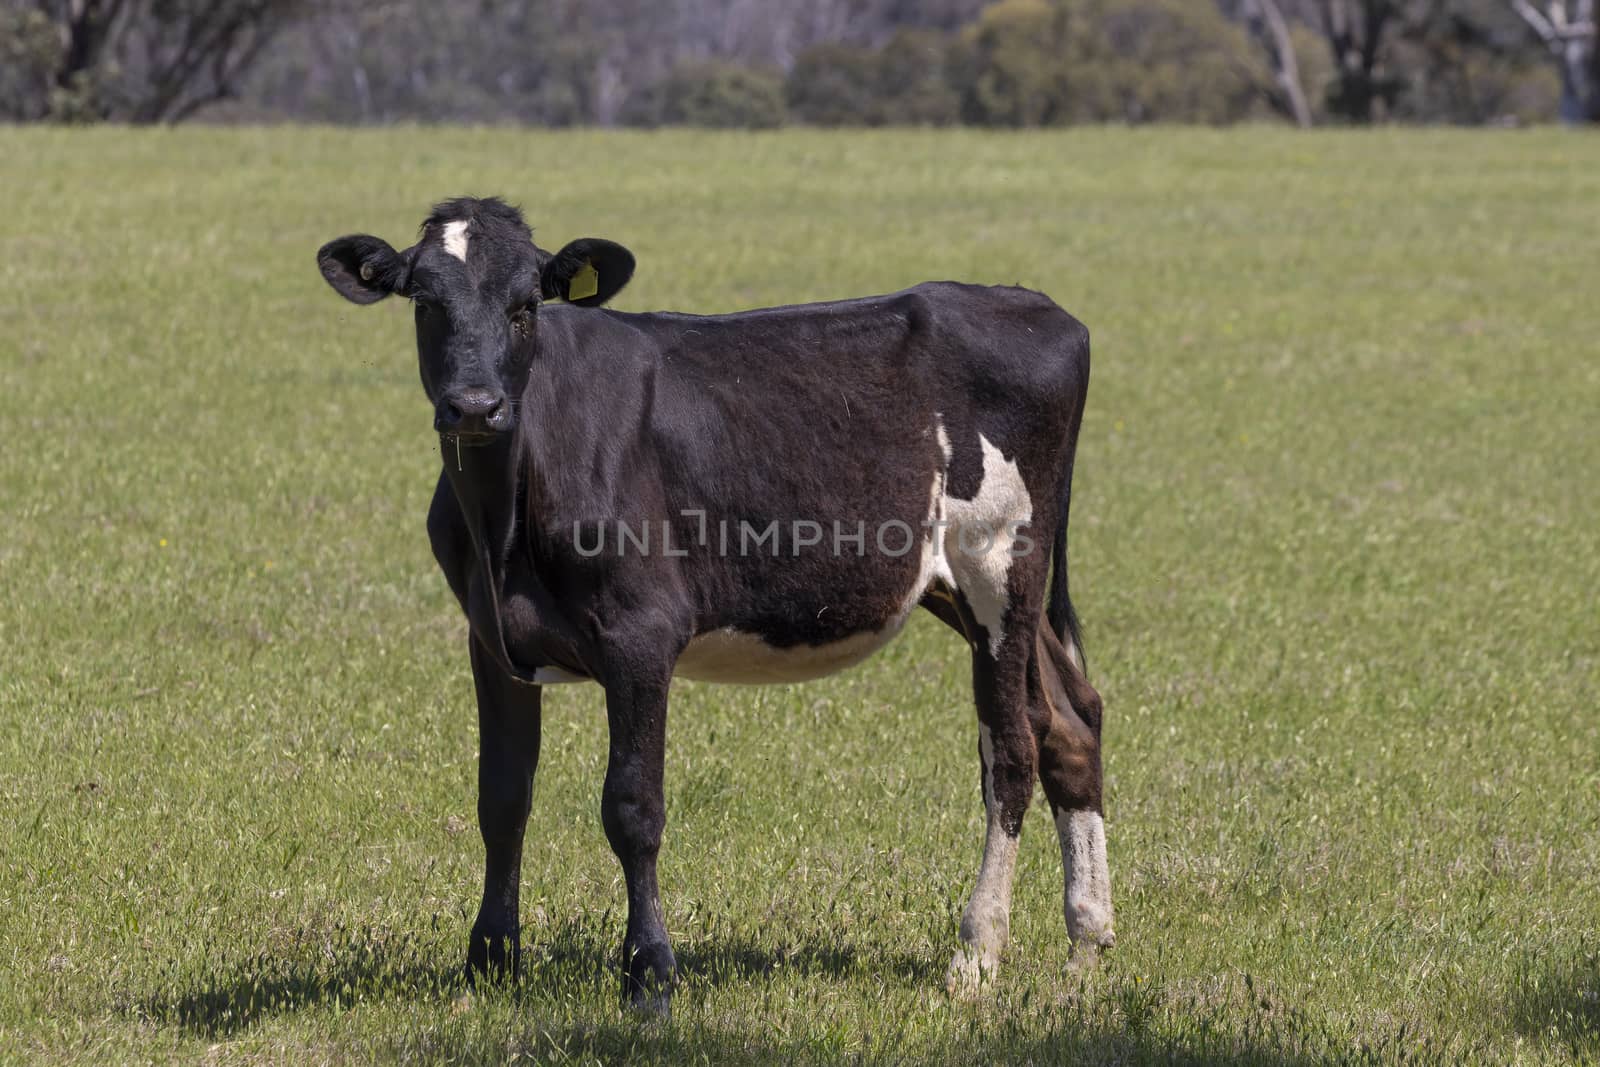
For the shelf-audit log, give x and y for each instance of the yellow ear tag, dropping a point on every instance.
(584, 283)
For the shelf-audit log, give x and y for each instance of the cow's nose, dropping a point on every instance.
(473, 412)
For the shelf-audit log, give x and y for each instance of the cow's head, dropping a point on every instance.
(476, 280)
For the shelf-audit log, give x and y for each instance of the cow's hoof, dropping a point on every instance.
(494, 956)
(1090, 925)
(647, 980)
(970, 971)
(1088, 946)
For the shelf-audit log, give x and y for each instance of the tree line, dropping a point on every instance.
(764, 63)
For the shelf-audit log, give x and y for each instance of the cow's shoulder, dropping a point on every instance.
(450, 539)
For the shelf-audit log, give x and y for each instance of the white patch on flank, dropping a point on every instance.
(986, 924)
(1001, 504)
(1088, 878)
(557, 676)
(734, 656)
(455, 239)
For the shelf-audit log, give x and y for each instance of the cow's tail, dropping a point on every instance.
(1059, 611)
(1063, 619)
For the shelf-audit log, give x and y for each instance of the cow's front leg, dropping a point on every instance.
(634, 812)
(508, 730)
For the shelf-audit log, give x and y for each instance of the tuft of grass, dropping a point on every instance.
(1333, 540)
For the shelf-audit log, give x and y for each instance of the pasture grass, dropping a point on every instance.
(1334, 541)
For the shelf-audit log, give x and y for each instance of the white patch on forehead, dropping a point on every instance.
(455, 239)
(1088, 878)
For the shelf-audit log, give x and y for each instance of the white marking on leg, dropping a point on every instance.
(455, 239)
(1001, 504)
(1087, 897)
(986, 924)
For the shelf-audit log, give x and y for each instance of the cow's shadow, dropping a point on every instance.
(579, 958)
(218, 1005)
(568, 958)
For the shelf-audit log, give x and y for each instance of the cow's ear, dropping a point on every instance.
(587, 272)
(363, 269)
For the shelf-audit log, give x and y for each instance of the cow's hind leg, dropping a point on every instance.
(1008, 757)
(633, 810)
(1066, 718)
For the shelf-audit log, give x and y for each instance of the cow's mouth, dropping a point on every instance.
(452, 444)
(470, 440)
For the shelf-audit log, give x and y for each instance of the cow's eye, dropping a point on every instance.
(522, 322)
(424, 307)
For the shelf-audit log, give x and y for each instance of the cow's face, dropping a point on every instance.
(475, 280)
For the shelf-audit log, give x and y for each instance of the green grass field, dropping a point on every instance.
(1335, 545)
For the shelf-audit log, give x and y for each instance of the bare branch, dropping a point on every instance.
(1536, 19)
(1266, 23)
(1553, 29)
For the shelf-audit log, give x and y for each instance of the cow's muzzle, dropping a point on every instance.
(473, 413)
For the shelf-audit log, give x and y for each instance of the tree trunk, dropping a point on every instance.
(1267, 24)
(1569, 32)
(1355, 30)
(1580, 70)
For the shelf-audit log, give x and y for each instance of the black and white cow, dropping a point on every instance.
(757, 497)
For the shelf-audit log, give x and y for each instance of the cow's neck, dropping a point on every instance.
(485, 480)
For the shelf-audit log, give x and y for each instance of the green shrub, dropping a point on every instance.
(714, 94)
(26, 48)
(1015, 64)
(1162, 61)
(832, 85)
(905, 83)
(1047, 62)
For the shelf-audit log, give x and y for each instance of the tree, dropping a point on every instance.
(28, 47)
(1470, 61)
(1266, 23)
(716, 94)
(1569, 32)
(1016, 55)
(869, 62)
(1050, 62)
(904, 83)
(137, 60)
(1356, 32)
(391, 60)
